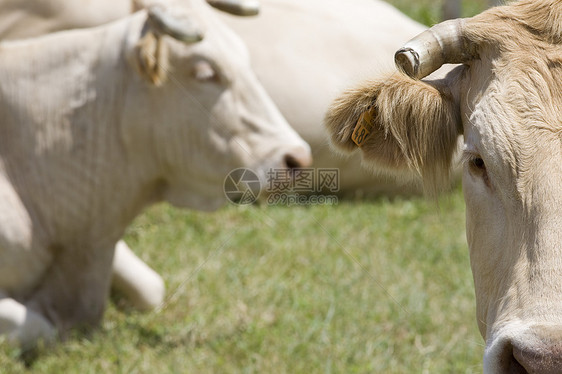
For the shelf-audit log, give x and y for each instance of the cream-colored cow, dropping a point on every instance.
(304, 53)
(506, 100)
(99, 123)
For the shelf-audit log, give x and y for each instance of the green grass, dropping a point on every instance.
(429, 12)
(362, 287)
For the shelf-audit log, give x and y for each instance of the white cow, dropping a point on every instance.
(506, 99)
(143, 287)
(99, 123)
(304, 52)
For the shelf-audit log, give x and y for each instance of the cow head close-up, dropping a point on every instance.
(226, 121)
(505, 101)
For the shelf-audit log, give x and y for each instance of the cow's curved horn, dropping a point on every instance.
(443, 43)
(237, 7)
(182, 29)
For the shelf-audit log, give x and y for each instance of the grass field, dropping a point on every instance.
(373, 286)
(428, 12)
(363, 287)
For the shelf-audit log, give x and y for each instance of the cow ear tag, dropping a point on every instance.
(363, 128)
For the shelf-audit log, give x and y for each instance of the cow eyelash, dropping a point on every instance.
(478, 163)
(474, 160)
(477, 166)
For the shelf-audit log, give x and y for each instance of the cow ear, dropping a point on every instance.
(151, 51)
(401, 125)
(151, 58)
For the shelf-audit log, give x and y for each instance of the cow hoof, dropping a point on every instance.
(22, 326)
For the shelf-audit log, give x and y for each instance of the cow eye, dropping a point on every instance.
(477, 167)
(478, 163)
(203, 71)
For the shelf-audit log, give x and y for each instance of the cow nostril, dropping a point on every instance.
(515, 367)
(297, 158)
(507, 361)
(291, 162)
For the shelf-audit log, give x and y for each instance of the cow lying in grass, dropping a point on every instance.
(308, 47)
(99, 123)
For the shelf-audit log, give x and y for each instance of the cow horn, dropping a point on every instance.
(181, 29)
(237, 7)
(443, 43)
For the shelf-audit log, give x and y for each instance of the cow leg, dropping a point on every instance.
(74, 290)
(23, 326)
(141, 285)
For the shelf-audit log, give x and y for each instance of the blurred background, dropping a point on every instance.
(430, 12)
(375, 285)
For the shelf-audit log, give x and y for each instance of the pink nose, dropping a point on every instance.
(298, 157)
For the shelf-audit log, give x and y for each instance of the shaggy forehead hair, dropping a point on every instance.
(525, 41)
(416, 124)
(410, 127)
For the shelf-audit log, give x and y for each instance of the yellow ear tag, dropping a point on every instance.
(363, 128)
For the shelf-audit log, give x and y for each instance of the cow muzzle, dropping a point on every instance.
(535, 349)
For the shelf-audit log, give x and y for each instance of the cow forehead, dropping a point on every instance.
(520, 62)
(513, 115)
